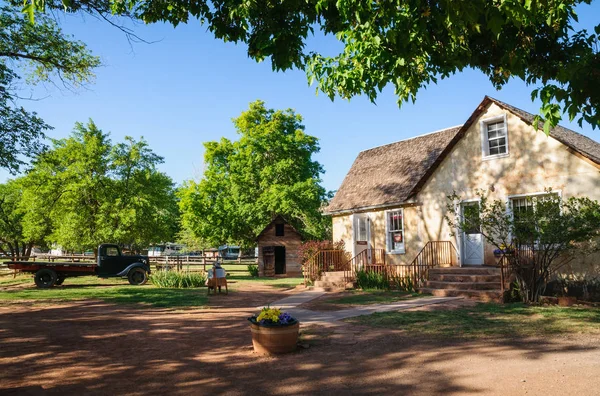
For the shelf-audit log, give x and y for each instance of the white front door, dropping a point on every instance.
(472, 239)
(362, 232)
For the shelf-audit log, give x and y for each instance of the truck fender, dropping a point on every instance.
(134, 265)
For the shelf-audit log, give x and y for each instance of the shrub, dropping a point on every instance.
(310, 248)
(253, 269)
(177, 279)
(371, 280)
(403, 283)
(535, 243)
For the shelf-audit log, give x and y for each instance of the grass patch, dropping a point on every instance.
(366, 297)
(275, 282)
(177, 279)
(490, 320)
(112, 290)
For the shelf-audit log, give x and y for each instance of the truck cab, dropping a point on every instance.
(112, 263)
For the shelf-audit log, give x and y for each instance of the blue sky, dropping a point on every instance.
(184, 90)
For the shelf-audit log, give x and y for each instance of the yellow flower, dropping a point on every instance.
(271, 314)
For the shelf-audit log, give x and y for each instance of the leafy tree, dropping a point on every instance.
(13, 241)
(86, 191)
(145, 208)
(268, 171)
(537, 239)
(42, 53)
(408, 44)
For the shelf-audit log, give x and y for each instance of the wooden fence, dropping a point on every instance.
(179, 263)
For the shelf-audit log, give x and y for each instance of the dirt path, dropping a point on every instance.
(98, 348)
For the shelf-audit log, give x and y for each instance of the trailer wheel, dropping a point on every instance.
(137, 276)
(59, 280)
(45, 278)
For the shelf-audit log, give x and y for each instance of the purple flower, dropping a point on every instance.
(285, 318)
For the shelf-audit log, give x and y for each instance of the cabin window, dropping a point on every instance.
(279, 229)
(112, 251)
(494, 136)
(395, 231)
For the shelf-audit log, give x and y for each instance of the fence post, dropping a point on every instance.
(167, 263)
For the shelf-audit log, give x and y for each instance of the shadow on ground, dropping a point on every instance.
(100, 348)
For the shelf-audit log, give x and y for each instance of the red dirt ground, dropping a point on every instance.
(95, 348)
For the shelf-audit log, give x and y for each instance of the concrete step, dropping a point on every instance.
(333, 285)
(465, 271)
(333, 274)
(333, 278)
(481, 295)
(463, 285)
(463, 278)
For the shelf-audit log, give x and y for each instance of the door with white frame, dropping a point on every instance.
(362, 235)
(472, 239)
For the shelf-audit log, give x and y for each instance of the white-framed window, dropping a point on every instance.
(395, 231)
(522, 207)
(361, 228)
(494, 137)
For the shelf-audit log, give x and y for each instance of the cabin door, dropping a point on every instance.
(279, 260)
(362, 235)
(472, 239)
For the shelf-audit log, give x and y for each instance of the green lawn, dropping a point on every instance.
(366, 297)
(275, 282)
(113, 290)
(489, 320)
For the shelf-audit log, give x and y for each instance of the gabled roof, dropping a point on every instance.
(276, 219)
(386, 175)
(581, 144)
(391, 174)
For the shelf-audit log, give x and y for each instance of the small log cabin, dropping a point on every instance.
(278, 246)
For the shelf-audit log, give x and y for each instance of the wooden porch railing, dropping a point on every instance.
(525, 255)
(370, 260)
(433, 254)
(324, 260)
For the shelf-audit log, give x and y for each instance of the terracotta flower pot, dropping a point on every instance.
(567, 301)
(273, 340)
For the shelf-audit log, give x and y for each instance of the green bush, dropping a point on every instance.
(371, 280)
(253, 269)
(403, 283)
(177, 279)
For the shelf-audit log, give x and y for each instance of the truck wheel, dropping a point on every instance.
(137, 276)
(59, 280)
(45, 278)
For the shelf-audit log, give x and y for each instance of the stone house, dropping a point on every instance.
(394, 198)
(278, 245)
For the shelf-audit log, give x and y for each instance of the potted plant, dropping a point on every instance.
(273, 331)
(503, 251)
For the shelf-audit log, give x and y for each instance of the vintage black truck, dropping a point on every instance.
(110, 263)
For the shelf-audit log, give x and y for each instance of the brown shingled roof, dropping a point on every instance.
(386, 175)
(389, 175)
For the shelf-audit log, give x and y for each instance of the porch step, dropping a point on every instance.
(481, 295)
(333, 276)
(481, 283)
(465, 271)
(463, 285)
(327, 285)
(463, 278)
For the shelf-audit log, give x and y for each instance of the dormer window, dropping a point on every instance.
(494, 137)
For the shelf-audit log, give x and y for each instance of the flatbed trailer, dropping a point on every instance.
(110, 263)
